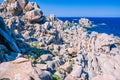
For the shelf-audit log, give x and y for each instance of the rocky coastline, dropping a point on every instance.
(38, 47)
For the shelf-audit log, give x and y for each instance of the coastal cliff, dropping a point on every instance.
(38, 47)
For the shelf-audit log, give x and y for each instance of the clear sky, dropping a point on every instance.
(80, 8)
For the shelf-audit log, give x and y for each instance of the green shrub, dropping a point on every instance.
(56, 77)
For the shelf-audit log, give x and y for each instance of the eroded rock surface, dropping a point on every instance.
(62, 49)
(85, 22)
(21, 69)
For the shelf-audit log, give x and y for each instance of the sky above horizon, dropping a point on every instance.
(80, 8)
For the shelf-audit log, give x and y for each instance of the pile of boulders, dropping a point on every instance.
(39, 47)
(24, 8)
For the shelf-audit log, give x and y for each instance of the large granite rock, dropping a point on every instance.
(21, 69)
(29, 6)
(66, 67)
(34, 15)
(14, 9)
(5, 37)
(23, 3)
(104, 77)
(77, 71)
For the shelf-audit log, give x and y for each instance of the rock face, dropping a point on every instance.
(20, 7)
(77, 71)
(6, 39)
(21, 69)
(55, 48)
(105, 77)
(23, 3)
(18, 69)
(34, 15)
(29, 6)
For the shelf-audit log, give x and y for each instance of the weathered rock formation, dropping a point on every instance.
(5, 37)
(21, 8)
(21, 69)
(62, 49)
(85, 22)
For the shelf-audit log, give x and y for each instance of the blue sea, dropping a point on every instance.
(101, 25)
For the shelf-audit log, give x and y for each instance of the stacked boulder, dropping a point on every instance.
(52, 49)
(23, 8)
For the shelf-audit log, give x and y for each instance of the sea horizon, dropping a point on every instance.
(108, 25)
(87, 17)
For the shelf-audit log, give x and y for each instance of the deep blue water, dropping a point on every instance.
(101, 25)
